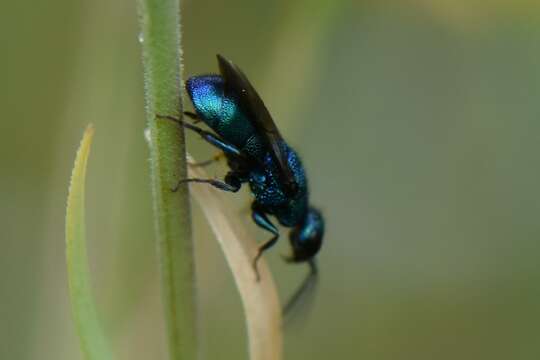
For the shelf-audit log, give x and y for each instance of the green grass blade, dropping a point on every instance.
(93, 343)
(160, 42)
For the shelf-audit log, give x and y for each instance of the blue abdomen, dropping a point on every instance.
(222, 113)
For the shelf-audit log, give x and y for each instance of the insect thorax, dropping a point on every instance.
(268, 190)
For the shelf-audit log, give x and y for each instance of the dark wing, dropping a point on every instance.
(240, 87)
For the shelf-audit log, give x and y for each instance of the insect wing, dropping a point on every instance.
(239, 86)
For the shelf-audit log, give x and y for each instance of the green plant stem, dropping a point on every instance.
(160, 41)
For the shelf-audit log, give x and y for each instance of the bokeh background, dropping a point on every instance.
(418, 122)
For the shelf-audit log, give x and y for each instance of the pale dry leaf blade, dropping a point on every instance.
(260, 299)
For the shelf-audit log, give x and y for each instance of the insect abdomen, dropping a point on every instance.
(219, 112)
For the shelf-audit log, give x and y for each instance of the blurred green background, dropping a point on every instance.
(418, 122)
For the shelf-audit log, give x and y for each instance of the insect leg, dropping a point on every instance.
(262, 221)
(222, 185)
(196, 119)
(231, 183)
(214, 158)
(212, 139)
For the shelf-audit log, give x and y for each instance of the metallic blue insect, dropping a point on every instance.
(256, 154)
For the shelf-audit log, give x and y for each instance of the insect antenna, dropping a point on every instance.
(301, 301)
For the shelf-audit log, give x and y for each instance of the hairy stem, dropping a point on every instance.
(160, 40)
